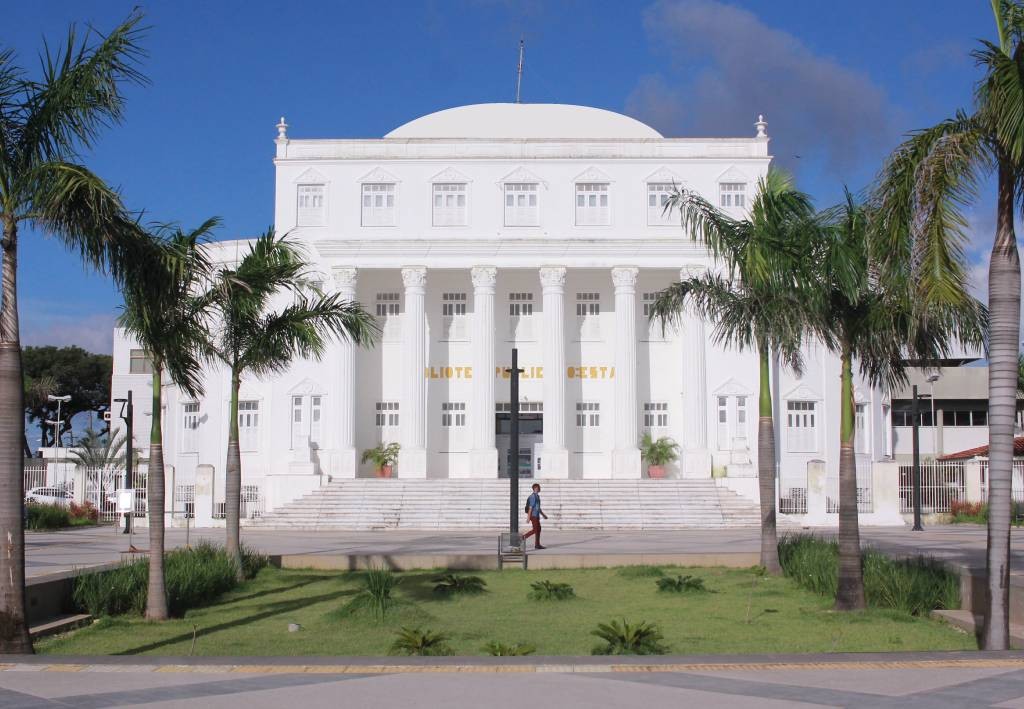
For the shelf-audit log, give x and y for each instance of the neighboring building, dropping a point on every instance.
(952, 406)
(477, 229)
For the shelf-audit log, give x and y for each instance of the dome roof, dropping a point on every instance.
(525, 121)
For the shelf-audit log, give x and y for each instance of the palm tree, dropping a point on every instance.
(871, 318)
(45, 123)
(37, 392)
(247, 336)
(163, 311)
(922, 187)
(761, 305)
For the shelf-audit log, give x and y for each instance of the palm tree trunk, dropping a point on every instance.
(156, 599)
(14, 637)
(233, 480)
(850, 590)
(1004, 336)
(766, 468)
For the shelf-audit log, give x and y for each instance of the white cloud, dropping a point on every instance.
(93, 332)
(728, 66)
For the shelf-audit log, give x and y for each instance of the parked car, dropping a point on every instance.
(49, 496)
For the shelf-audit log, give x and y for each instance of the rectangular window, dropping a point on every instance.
(453, 413)
(723, 422)
(520, 305)
(861, 429)
(521, 206)
(315, 415)
(311, 211)
(655, 414)
(732, 194)
(592, 204)
(588, 414)
(139, 362)
(450, 204)
(249, 425)
(588, 304)
(189, 428)
(648, 301)
(525, 407)
(388, 304)
(979, 418)
(386, 414)
(658, 194)
(296, 419)
(453, 304)
(801, 430)
(378, 208)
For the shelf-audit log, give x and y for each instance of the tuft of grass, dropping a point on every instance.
(424, 643)
(916, 586)
(497, 649)
(642, 571)
(551, 591)
(681, 584)
(454, 584)
(47, 516)
(626, 638)
(377, 593)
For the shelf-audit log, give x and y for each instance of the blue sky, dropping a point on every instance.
(839, 83)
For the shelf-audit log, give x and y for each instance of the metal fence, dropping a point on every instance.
(793, 501)
(1016, 480)
(252, 504)
(865, 500)
(185, 500)
(942, 482)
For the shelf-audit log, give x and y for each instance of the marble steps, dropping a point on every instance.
(483, 504)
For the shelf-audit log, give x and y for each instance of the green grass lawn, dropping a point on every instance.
(741, 613)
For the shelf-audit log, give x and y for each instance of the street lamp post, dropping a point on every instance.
(62, 399)
(128, 416)
(932, 378)
(513, 473)
(915, 416)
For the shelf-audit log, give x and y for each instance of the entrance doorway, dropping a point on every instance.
(531, 435)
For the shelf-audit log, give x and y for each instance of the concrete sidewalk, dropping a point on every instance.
(926, 680)
(49, 552)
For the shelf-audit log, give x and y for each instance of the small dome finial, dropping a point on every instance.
(282, 129)
(761, 125)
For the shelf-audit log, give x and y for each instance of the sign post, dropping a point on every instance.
(916, 448)
(128, 416)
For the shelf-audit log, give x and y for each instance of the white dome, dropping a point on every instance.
(525, 121)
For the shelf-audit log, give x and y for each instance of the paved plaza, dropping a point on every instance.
(920, 680)
(50, 552)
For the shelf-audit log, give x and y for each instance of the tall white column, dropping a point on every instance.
(345, 282)
(484, 456)
(412, 461)
(555, 456)
(626, 456)
(696, 456)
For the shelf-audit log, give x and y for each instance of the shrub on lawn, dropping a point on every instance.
(47, 516)
(623, 638)
(193, 577)
(681, 584)
(551, 591)
(453, 584)
(377, 593)
(916, 586)
(83, 514)
(425, 643)
(497, 649)
(977, 512)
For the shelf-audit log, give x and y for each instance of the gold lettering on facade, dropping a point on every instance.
(590, 372)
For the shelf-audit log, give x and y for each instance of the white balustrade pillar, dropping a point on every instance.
(626, 455)
(412, 461)
(484, 456)
(696, 455)
(555, 456)
(347, 461)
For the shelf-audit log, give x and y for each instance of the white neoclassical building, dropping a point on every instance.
(479, 229)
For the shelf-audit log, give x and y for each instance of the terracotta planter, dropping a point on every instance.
(656, 471)
(384, 471)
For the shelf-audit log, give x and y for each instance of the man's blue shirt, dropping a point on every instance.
(533, 503)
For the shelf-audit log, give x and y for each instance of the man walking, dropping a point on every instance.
(534, 512)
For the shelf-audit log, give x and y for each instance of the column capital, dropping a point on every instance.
(552, 277)
(692, 270)
(414, 276)
(345, 277)
(484, 276)
(625, 277)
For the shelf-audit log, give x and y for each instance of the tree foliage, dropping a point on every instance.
(83, 375)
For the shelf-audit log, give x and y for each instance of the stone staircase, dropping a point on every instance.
(483, 504)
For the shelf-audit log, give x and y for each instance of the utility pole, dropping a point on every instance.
(519, 71)
(513, 472)
(915, 438)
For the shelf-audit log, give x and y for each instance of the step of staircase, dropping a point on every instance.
(364, 504)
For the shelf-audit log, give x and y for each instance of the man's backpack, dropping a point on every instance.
(527, 510)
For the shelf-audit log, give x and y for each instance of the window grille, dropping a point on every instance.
(655, 414)
(386, 414)
(388, 304)
(588, 414)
